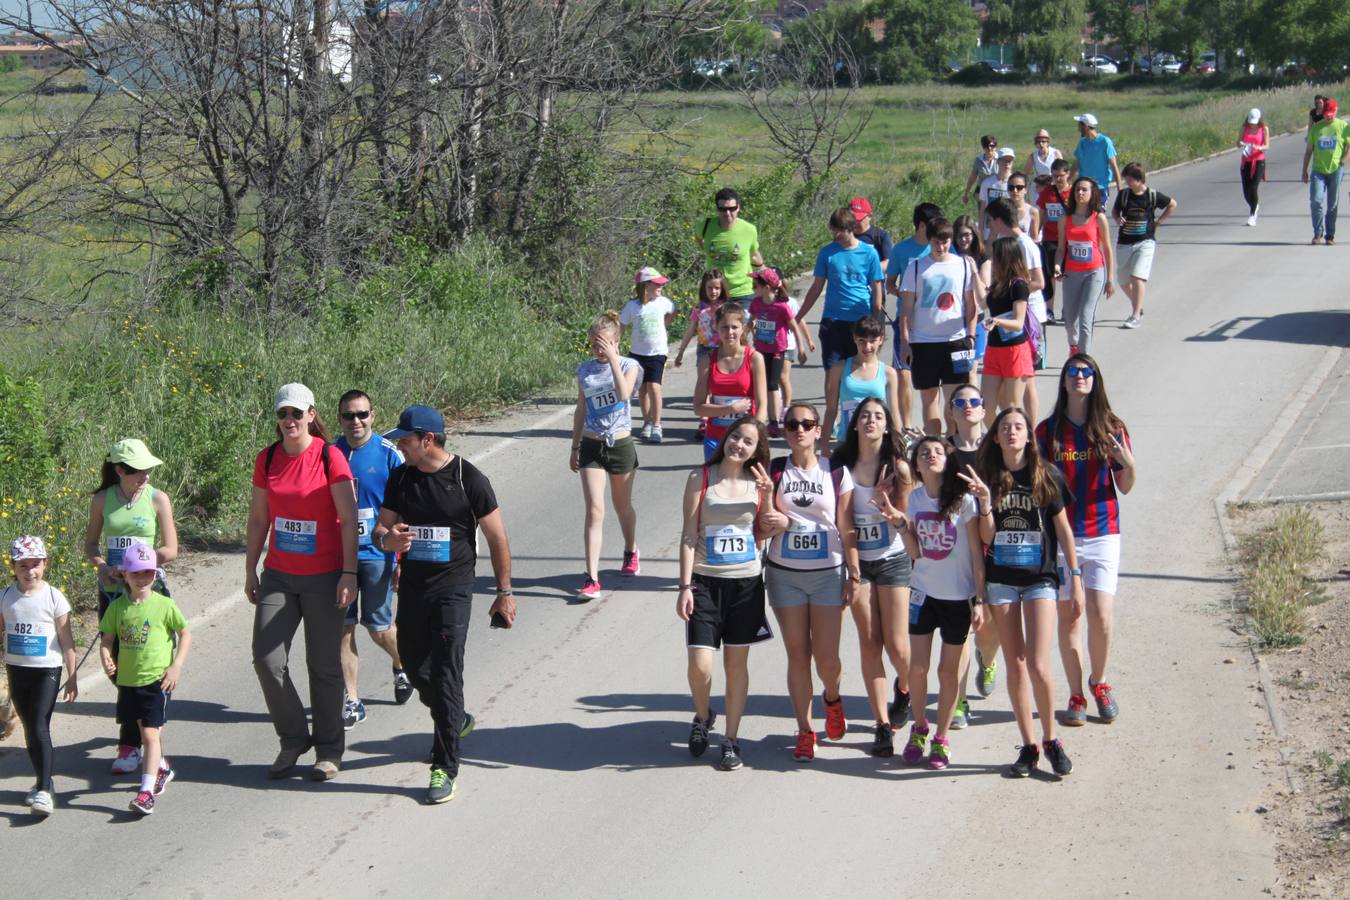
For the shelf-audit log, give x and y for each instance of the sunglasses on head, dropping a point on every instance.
(967, 402)
(287, 412)
(361, 414)
(1075, 371)
(800, 424)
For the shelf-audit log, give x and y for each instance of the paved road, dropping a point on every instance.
(577, 783)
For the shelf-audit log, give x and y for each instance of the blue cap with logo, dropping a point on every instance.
(417, 419)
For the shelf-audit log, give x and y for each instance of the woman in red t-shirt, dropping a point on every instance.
(731, 382)
(303, 498)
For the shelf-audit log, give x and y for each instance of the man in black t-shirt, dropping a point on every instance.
(1137, 211)
(433, 505)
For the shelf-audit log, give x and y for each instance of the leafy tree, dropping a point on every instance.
(1120, 21)
(1046, 32)
(921, 36)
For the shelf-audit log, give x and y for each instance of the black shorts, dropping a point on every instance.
(146, 705)
(773, 369)
(952, 617)
(836, 342)
(933, 365)
(653, 368)
(620, 459)
(727, 610)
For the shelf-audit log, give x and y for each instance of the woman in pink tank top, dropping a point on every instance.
(1085, 261)
(1253, 140)
(731, 381)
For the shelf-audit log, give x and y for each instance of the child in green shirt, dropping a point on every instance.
(144, 624)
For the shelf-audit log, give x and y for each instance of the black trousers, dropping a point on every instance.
(1048, 251)
(33, 691)
(1252, 176)
(432, 629)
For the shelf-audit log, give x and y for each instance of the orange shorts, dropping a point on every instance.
(1009, 362)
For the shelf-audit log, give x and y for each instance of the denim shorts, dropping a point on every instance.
(892, 571)
(374, 577)
(1004, 594)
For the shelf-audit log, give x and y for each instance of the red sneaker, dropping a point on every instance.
(805, 751)
(835, 725)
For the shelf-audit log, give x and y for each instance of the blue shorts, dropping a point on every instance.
(147, 705)
(374, 577)
(1004, 594)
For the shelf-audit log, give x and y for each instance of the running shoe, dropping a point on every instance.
(961, 714)
(42, 804)
(898, 711)
(917, 744)
(940, 753)
(324, 770)
(656, 436)
(128, 760)
(1251, 220)
(1058, 759)
(403, 688)
(1107, 708)
(353, 711)
(630, 562)
(775, 430)
(1330, 240)
(805, 751)
(835, 725)
(1131, 322)
(28, 797)
(731, 756)
(442, 787)
(467, 728)
(647, 432)
(883, 744)
(143, 803)
(590, 589)
(698, 735)
(162, 779)
(988, 679)
(1076, 714)
(1027, 759)
(1317, 239)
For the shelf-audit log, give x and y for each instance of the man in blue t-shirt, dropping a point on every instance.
(849, 272)
(914, 247)
(1095, 157)
(371, 458)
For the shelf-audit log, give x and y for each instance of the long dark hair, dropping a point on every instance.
(316, 428)
(761, 445)
(953, 489)
(892, 451)
(1102, 422)
(1007, 265)
(1094, 202)
(977, 251)
(999, 477)
(109, 477)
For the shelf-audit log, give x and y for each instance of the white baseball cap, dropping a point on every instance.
(1006, 153)
(296, 396)
(1253, 116)
(647, 273)
(1087, 119)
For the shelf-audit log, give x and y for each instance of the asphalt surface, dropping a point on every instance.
(577, 782)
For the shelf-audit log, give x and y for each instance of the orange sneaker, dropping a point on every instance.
(805, 751)
(835, 725)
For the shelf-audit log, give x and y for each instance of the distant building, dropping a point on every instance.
(40, 56)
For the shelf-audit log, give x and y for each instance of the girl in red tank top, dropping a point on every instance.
(1252, 141)
(731, 381)
(1081, 243)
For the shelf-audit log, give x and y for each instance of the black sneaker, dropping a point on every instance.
(698, 735)
(1058, 759)
(403, 688)
(898, 711)
(884, 742)
(731, 755)
(1027, 759)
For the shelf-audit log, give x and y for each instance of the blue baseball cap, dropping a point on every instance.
(415, 419)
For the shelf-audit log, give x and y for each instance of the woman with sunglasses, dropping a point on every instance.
(1085, 261)
(874, 456)
(721, 593)
(812, 570)
(1090, 445)
(944, 541)
(1042, 157)
(126, 510)
(304, 509)
(968, 410)
(1027, 213)
(1022, 501)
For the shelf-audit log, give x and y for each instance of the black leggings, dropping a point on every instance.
(1252, 176)
(33, 691)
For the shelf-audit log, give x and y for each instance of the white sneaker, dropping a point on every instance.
(28, 797)
(43, 804)
(1131, 322)
(1251, 220)
(128, 760)
(647, 432)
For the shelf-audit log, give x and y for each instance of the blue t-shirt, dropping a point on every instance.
(848, 278)
(902, 254)
(1093, 159)
(371, 464)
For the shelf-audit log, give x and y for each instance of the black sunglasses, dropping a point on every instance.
(1017, 187)
(128, 470)
(800, 424)
(287, 412)
(727, 208)
(361, 414)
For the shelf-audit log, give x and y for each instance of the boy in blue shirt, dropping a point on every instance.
(849, 272)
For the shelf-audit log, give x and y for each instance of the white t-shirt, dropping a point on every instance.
(806, 497)
(876, 538)
(944, 569)
(1031, 258)
(649, 325)
(795, 305)
(993, 188)
(939, 290)
(30, 626)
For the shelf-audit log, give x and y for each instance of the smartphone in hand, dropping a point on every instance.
(499, 621)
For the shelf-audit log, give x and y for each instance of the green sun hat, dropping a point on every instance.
(132, 453)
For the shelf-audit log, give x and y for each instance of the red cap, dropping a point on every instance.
(769, 276)
(860, 207)
(1329, 109)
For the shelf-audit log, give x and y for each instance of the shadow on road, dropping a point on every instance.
(179, 711)
(1322, 328)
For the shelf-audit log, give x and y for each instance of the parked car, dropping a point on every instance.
(1166, 64)
(1208, 64)
(1102, 65)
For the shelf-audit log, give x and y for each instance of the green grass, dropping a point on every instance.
(1276, 571)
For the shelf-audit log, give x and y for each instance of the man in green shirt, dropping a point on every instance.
(731, 245)
(1328, 144)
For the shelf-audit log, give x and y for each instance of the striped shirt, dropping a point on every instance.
(1095, 509)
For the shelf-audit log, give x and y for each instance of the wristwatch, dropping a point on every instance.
(1078, 572)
